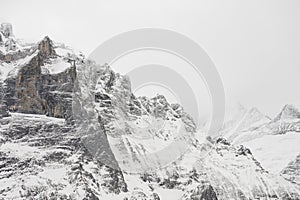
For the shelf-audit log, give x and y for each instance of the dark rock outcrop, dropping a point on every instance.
(202, 192)
(46, 48)
(292, 171)
(37, 93)
(3, 104)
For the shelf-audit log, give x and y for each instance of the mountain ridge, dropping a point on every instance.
(47, 89)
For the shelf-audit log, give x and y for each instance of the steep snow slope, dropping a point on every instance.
(292, 170)
(255, 125)
(142, 132)
(274, 143)
(275, 152)
(242, 120)
(227, 172)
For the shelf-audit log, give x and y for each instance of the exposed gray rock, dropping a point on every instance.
(37, 93)
(202, 192)
(292, 171)
(46, 48)
(6, 29)
(3, 104)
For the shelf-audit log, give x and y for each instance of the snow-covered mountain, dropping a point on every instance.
(274, 142)
(249, 124)
(242, 120)
(72, 129)
(288, 112)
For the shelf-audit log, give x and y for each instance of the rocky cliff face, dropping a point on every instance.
(136, 127)
(292, 170)
(202, 192)
(33, 92)
(38, 82)
(42, 157)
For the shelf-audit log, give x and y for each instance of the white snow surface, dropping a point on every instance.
(274, 152)
(11, 69)
(55, 66)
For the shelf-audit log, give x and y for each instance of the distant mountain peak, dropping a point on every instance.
(256, 112)
(288, 112)
(244, 119)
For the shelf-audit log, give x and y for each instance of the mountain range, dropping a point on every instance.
(72, 129)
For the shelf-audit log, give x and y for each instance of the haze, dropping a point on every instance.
(255, 45)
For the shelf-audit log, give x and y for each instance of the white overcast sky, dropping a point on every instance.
(255, 44)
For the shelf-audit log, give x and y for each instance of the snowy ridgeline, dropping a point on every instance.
(273, 142)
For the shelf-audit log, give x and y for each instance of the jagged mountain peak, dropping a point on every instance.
(239, 110)
(243, 119)
(255, 110)
(11, 48)
(289, 111)
(6, 29)
(7, 39)
(46, 47)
